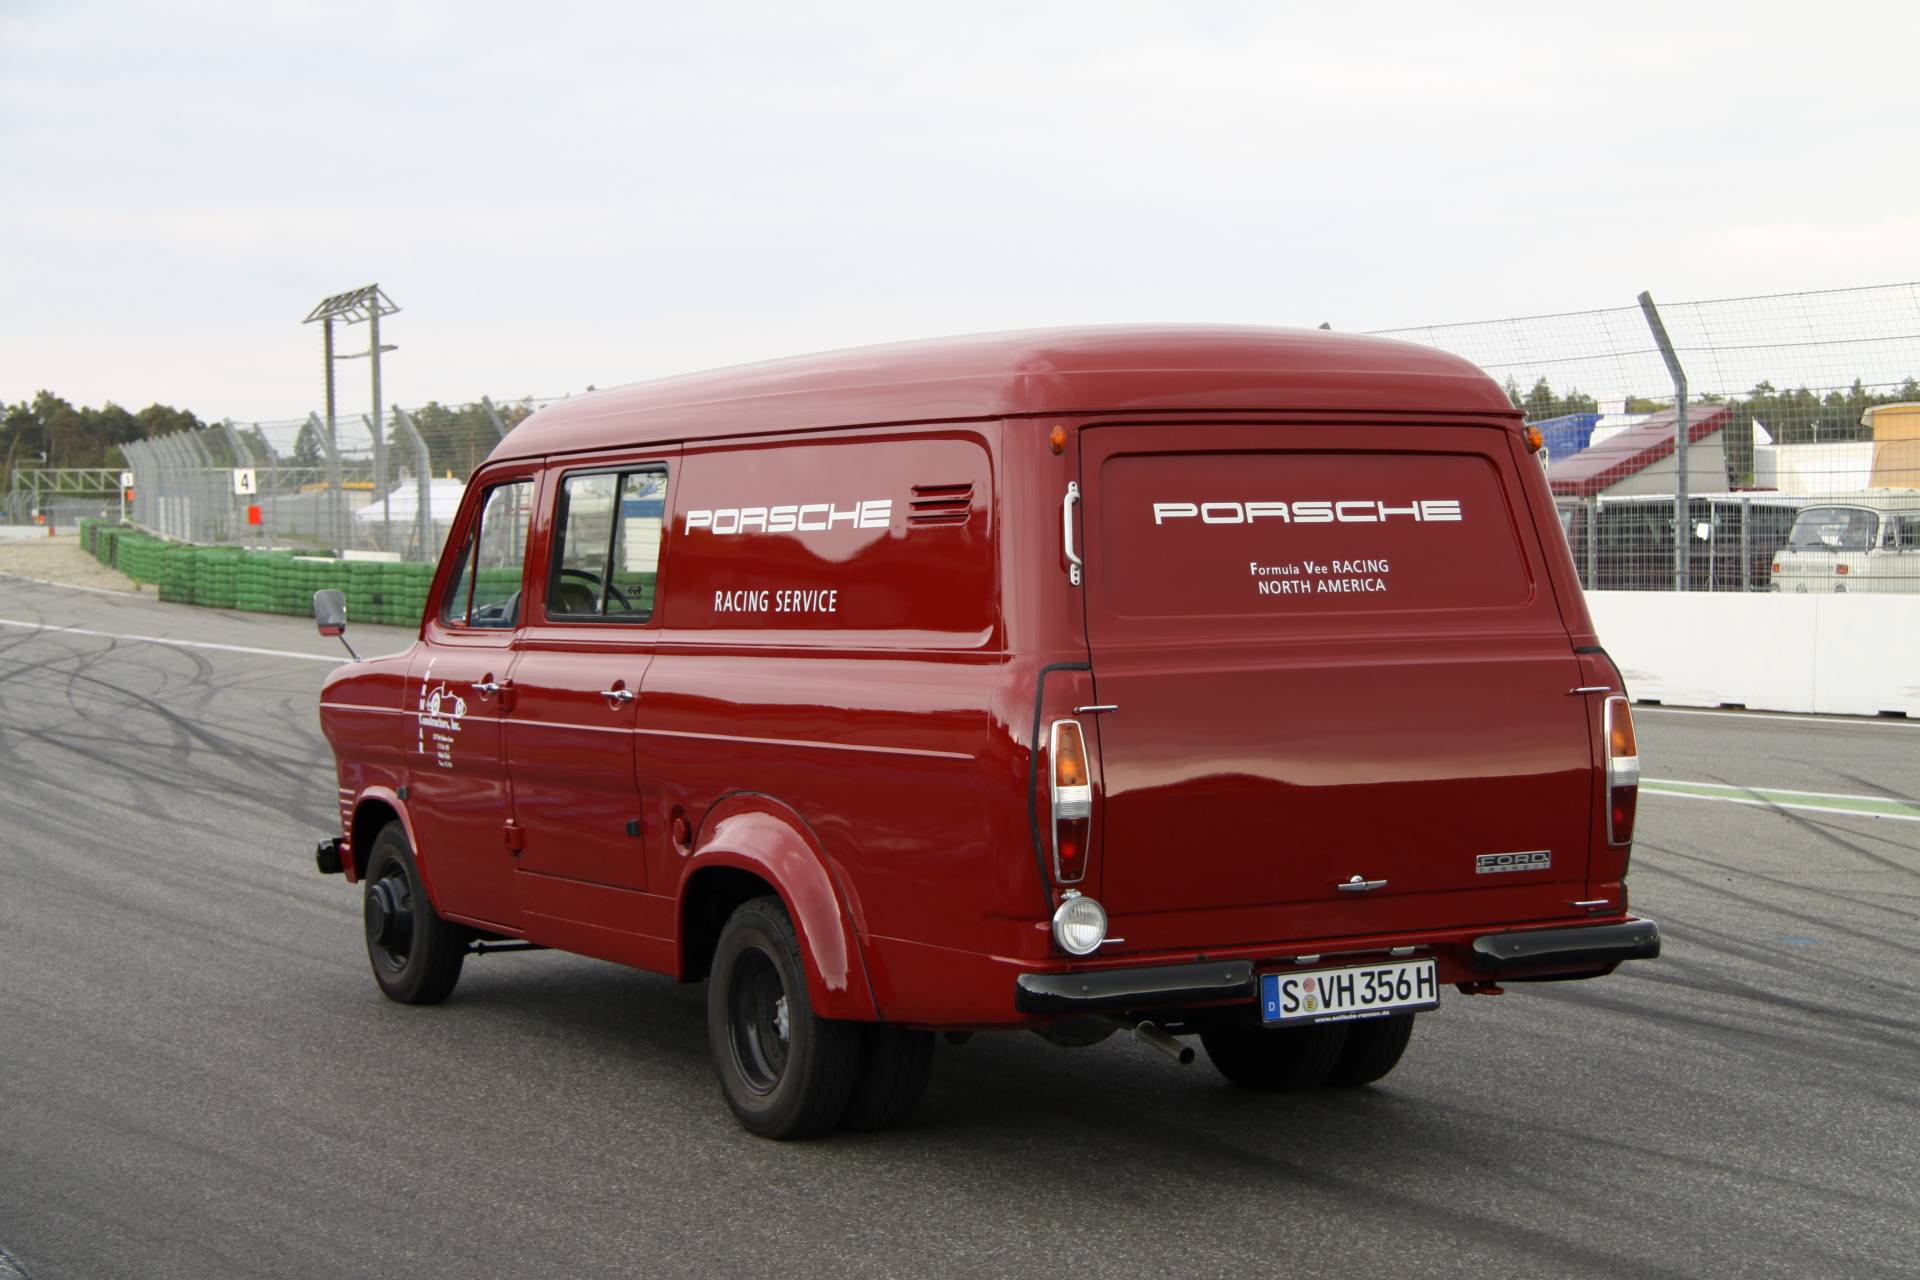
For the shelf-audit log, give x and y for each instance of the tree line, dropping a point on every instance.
(1800, 416)
(49, 431)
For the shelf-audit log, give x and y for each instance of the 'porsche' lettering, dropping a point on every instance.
(1345, 511)
(810, 517)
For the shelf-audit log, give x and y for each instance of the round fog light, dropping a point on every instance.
(1080, 926)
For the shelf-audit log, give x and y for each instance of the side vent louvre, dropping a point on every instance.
(941, 504)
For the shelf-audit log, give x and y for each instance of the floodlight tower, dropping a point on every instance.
(367, 303)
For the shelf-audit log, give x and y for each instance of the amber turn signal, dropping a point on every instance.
(1057, 438)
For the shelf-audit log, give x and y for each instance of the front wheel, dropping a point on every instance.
(786, 1071)
(416, 955)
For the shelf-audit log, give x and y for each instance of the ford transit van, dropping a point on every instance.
(1228, 684)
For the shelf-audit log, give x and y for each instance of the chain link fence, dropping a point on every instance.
(1742, 444)
(305, 484)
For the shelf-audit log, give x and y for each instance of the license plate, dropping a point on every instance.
(1337, 995)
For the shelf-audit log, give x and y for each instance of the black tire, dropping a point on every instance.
(1277, 1060)
(786, 1071)
(1373, 1049)
(416, 955)
(895, 1065)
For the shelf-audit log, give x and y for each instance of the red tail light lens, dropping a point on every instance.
(1072, 795)
(1623, 772)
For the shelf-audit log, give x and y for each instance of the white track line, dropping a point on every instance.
(1844, 722)
(68, 586)
(1772, 804)
(181, 644)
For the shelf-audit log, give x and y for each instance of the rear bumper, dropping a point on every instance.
(1575, 951)
(1161, 984)
(1592, 947)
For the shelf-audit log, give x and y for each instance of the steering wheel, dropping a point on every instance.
(564, 591)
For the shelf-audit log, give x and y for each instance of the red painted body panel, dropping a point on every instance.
(863, 624)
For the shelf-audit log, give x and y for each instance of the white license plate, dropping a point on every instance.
(1334, 995)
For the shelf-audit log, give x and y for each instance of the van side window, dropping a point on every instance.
(607, 554)
(485, 592)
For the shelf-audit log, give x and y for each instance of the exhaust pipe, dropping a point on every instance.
(1154, 1038)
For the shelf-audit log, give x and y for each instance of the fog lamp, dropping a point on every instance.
(1080, 925)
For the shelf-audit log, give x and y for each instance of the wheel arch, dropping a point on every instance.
(376, 809)
(750, 845)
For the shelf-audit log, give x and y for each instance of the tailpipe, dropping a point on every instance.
(1154, 1038)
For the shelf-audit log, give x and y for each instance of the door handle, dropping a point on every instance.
(1357, 885)
(1067, 505)
(617, 697)
(501, 690)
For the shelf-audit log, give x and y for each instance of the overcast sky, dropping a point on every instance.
(560, 194)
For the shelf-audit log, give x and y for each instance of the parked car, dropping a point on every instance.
(1183, 682)
(1858, 542)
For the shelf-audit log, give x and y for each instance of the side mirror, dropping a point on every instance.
(330, 615)
(330, 612)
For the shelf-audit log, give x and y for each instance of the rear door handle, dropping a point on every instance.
(617, 696)
(1357, 885)
(1066, 530)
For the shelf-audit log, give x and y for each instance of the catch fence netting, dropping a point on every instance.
(1801, 463)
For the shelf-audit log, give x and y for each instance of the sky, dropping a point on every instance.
(562, 195)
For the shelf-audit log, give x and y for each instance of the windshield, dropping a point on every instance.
(1834, 529)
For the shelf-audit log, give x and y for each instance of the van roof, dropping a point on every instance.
(1106, 369)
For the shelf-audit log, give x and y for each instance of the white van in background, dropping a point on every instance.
(1855, 542)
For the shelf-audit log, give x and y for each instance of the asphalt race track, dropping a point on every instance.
(198, 1077)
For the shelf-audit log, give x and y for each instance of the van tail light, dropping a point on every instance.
(1623, 772)
(1072, 793)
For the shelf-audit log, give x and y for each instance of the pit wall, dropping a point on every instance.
(1853, 654)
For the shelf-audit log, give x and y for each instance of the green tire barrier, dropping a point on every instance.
(269, 581)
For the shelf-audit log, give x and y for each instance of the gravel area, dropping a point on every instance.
(59, 560)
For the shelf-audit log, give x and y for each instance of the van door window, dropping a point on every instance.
(607, 556)
(486, 590)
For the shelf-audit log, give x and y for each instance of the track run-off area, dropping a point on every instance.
(200, 1078)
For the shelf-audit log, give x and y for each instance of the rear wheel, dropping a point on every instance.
(786, 1071)
(416, 955)
(895, 1065)
(1278, 1060)
(1373, 1049)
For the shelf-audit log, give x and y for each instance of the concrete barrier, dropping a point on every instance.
(1839, 655)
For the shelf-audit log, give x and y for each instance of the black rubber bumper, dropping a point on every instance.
(1598, 946)
(1113, 989)
(326, 856)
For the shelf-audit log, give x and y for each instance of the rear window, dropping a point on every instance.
(1290, 533)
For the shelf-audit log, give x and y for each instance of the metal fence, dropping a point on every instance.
(1743, 444)
(306, 483)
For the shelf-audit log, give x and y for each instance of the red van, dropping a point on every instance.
(1220, 682)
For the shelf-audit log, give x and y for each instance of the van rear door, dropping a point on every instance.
(1338, 662)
